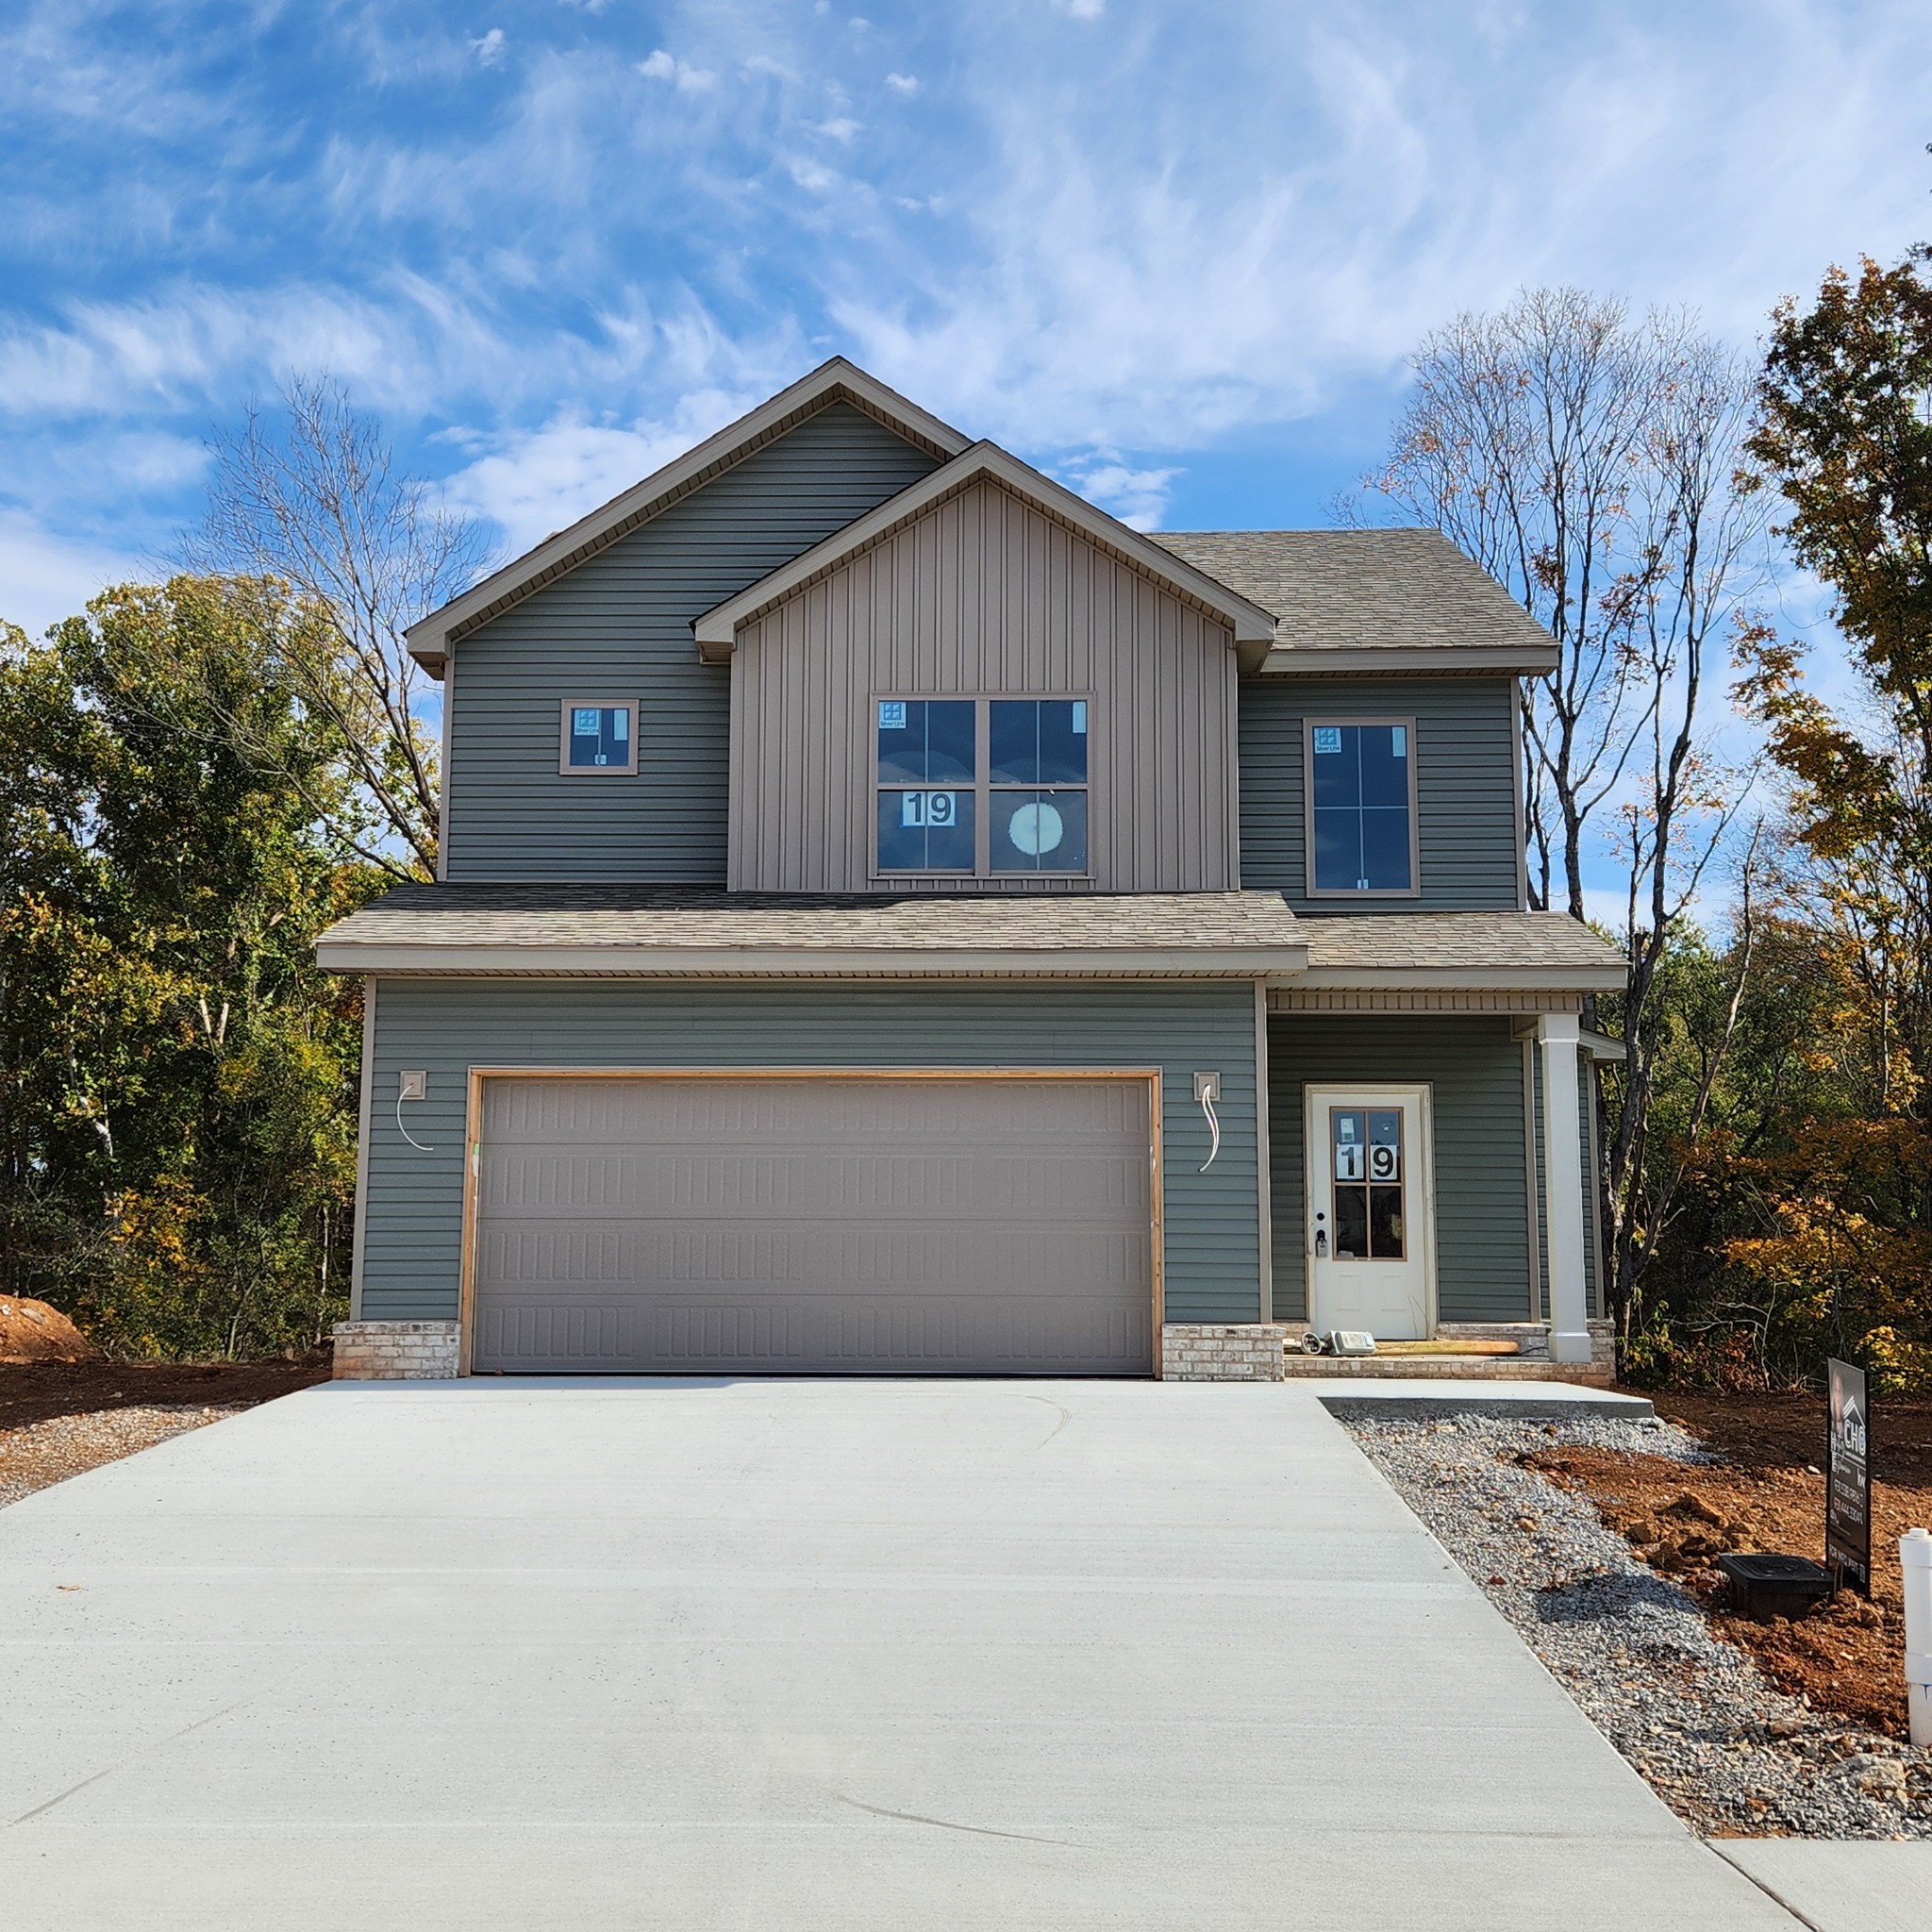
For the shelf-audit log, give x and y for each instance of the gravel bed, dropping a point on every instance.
(43, 1454)
(1729, 1752)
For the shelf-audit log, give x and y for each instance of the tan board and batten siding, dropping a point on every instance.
(985, 594)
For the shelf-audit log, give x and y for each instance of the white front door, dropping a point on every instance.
(1371, 1260)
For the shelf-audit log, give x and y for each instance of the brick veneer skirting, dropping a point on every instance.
(1221, 1351)
(395, 1351)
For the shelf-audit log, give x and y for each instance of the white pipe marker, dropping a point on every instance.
(1915, 1559)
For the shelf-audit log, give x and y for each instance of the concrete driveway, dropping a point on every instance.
(790, 1655)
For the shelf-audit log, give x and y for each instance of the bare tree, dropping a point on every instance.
(1594, 465)
(309, 495)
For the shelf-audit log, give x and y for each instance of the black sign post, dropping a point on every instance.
(1848, 1479)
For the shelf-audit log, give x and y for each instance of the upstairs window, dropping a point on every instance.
(599, 735)
(982, 787)
(1361, 806)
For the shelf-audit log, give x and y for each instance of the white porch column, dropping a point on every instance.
(1559, 1036)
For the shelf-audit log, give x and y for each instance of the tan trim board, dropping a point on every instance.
(717, 629)
(473, 1146)
(472, 1174)
(837, 380)
(778, 963)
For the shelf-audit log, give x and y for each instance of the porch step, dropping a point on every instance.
(1460, 1368)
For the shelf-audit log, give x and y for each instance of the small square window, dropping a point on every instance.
(600, 735)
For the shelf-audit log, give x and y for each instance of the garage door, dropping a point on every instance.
(891, 1227)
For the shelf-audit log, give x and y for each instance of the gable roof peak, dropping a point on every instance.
(836, 380)
(1251, 624)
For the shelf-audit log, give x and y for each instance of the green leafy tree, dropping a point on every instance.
(180, 1159)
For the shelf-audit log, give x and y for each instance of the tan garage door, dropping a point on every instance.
(874, 1225)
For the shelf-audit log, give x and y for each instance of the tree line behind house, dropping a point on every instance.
(197, 775)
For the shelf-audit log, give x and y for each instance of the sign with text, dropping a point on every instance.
(1848, 1478)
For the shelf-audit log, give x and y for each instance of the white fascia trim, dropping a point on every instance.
(428, 638)
(799, 963)
(717, 629)
(1446, 660)
(1463, 978)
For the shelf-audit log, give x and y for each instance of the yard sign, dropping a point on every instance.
(1848, 1479)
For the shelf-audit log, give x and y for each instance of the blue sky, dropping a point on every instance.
(1173, 253)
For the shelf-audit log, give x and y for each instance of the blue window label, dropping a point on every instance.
(892, 714)
(1398, 741)
(931, 809)
(1329, 737)
(584, 722)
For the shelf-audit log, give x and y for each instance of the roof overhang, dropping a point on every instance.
(1471, 978)
(1253, 627)
(838, 381)
(817, 962)
(1441, 661)
(549, 931)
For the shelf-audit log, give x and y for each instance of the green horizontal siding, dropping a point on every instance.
(1465, 786)
(619, 627)
(412, 1230)
(1474, 1070)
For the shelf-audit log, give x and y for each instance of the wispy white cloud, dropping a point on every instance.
(489, 49)
(45, 576)
(681, 74)
(1137, 497)
(1116, 250)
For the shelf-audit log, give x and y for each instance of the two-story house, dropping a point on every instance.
(894, 918)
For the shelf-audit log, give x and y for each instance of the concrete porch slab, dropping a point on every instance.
(1527, 1401)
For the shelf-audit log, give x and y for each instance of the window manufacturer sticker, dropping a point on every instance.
(584, 721)
(1327, 738)
(1398, 741)
(1079, 717)
(892, 714)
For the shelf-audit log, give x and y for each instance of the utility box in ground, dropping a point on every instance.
(1765, 1587)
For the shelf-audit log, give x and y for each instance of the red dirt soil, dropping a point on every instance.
(1766, 1493)
(34, 1392)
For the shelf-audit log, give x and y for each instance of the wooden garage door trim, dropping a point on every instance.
(472, 1128)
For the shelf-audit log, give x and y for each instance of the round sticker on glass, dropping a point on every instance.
(1036, 831)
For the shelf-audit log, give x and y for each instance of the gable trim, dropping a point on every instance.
(429, 639)
(1253, 627)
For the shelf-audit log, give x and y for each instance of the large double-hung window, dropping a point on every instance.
(982, 787)
(1361, 806)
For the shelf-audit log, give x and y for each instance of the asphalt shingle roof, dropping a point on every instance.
(674, 918)
(1439, 940)
(1361, 590)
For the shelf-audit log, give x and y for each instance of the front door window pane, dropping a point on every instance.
(1039, 831)
(1359, 785)
(1367, 1161)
